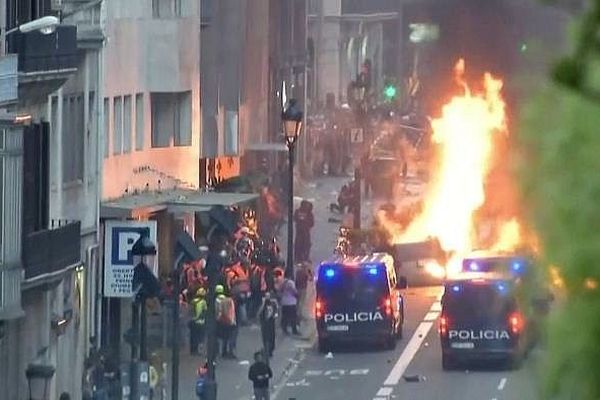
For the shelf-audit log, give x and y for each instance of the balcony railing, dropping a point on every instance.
(10, 292)
(42, 53)
(52, 250)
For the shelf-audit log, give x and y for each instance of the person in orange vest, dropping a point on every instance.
(240, 290)
(226, 322)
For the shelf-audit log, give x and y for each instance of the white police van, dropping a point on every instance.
(358, 299)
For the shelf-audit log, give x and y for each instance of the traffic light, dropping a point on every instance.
(390, 92)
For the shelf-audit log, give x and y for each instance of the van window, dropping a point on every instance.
(465, 301)
(354, 284)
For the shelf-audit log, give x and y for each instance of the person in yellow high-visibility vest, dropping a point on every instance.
(198, 322)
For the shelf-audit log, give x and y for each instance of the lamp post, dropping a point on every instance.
(145, 286)
(38, 377)
(292, 126)
(359, 90)
(45, 25)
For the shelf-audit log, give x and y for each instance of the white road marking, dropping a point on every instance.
(431, 316)
(359, 371)
(408, 354)
(288, 374)
(384, 391)
(302, 382)
(502, 384)
(313, 372)
(335, 371)
(437, 306)
(379, 398)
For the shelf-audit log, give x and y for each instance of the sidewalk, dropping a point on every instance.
(232, 375)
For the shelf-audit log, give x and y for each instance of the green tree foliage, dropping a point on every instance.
(560, 170)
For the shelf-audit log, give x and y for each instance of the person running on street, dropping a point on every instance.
(260, 373)
(268, 313)
(289, 306)
(226, 323)
(198, 321)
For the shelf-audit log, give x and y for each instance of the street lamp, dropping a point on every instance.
(45, 25)
(292, 126)
(38, 378)
(145, 285)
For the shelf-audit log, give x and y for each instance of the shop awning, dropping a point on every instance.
(135, 205)
(178, 200)
(199, 202)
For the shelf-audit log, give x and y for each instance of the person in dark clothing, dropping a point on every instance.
(305, 220)
(260, 373)
(343, 200)
(268, 313)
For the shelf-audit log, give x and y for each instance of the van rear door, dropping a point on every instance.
(353, 299)
(477, 316)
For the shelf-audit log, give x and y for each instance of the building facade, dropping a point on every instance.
(343, 34)
(52, 202)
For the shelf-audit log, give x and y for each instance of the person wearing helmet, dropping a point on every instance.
(197, 324)
(226, 322)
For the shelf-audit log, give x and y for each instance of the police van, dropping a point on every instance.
(358, 299)
(485, 315)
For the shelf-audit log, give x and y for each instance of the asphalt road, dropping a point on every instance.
(412, 371)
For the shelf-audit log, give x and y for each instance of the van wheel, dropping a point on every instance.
(323, 346)
(399, 332)
(515, 362)
(448, 363)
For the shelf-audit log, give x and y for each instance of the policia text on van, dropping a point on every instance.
(358, 300)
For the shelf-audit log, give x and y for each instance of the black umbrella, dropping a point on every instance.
(224, 218)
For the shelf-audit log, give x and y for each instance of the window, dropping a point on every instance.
(166, 8)
(139, 121)
(73, 134)
(183, 136)
(21, 11)
(127, 124)
(106, 115)
(117, 125)
(171, 119)
(231, 133)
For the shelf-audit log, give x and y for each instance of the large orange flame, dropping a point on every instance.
(464, 136)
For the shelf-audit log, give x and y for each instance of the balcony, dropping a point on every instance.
(47, 254)
(45, 62)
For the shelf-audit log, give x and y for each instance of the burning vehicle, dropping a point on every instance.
(470, 202)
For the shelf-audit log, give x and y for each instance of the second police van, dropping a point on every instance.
(490, 311)
(358, 299)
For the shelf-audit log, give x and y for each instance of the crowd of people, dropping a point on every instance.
(251, 287)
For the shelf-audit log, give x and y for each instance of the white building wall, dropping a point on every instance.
(145, 54)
